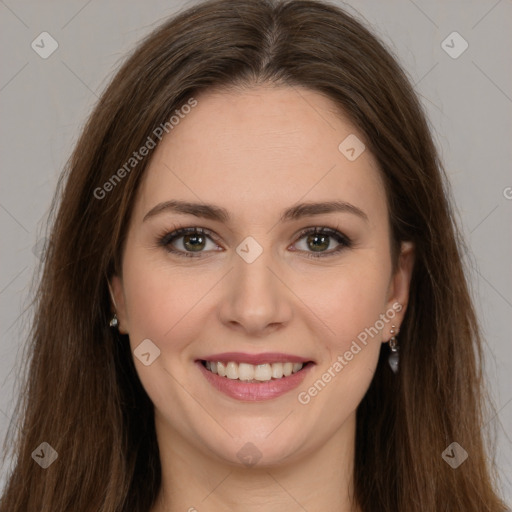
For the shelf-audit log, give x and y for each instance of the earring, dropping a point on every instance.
(393, 358)
(114, 322)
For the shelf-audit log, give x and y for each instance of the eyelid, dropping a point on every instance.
(177, 232)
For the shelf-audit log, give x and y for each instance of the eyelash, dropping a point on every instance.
(165, 239)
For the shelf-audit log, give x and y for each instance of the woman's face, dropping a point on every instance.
(252, 288)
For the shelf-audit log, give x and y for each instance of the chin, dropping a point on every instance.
(258, 450)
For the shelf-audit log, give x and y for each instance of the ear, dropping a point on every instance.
(119, 303)
(398, 291)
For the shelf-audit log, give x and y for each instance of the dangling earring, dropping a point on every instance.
(114, 322)
(394, 357)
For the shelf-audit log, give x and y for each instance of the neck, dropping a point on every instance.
(195, 482)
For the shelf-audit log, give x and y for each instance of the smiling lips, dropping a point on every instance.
(253, 377)
(250, 372)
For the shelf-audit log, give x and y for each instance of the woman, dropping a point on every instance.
(253, 296)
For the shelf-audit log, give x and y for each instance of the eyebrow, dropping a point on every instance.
(217, 213)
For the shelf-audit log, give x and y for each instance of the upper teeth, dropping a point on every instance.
(245, 371)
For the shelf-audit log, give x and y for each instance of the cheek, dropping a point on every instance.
(363, 299)
(351, 305)
(166, 304)
(347, 300)
(161, 302)
(157, 298)
(352, 308)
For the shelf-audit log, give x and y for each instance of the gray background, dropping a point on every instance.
(45, 102)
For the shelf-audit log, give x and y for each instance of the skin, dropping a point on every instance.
(241, 149)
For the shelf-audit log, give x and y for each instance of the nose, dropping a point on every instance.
(257, 300)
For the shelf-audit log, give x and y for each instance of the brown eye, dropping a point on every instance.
(194, 242)
(319, 239)
(187, 241)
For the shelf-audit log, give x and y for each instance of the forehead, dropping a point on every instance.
(260, 147)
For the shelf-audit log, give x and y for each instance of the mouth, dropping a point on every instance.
(254, 373)
(262, 379)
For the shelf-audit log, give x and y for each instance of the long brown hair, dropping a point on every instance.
(82, 394)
